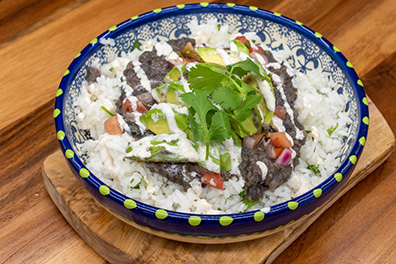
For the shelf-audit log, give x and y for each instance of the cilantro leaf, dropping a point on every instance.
(245, 110)
(246, 201)
(314, 168)
(214, 123)
(136, 45)
(331, 130)
(244, 67)
(206, 76)
(227, 98)
(220, 127)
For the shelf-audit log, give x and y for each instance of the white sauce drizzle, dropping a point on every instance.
(266, 91)
(277, 123)
(123, 125)
(144, 81)
(299, 133)
(263, 168)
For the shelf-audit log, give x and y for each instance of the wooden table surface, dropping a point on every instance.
(38, 40)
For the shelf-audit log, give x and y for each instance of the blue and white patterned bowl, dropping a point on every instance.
(310, 50)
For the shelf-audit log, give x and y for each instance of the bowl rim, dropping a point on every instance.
(278, 209)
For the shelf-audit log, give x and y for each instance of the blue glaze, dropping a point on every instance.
(309, 52)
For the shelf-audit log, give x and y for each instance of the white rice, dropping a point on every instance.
(319, 105)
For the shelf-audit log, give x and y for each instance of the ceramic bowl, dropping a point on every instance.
(310, 50)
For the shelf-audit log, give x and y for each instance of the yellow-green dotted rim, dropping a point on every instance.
(56, 112)
(338, 176)
(84, 173)
(194, 220)
(317, 192)
(104, 190)
(113, 28)
(318, 35)
(362, 141)
(161, 214)
(59, 92)
(204, 4)
(366, 120)
(60, 135)
(69, 153)
(292, 205)
(130, 204)
(353, 159)
(259, 216)
(226, 220)
(66, 72)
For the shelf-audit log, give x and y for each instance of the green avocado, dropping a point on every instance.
(170, 93)
(241, 47)
(173, 75)
(209, 54)
(262, 105)
(155, 121)
(246, 128)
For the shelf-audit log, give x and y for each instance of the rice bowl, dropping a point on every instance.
(323, 162)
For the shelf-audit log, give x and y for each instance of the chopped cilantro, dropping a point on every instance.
(111, 69)
(314, 168)
(331, 130)
(129, 149)
(136, 45)
(308, 131)
(107, 111)
(137, 186)
(218, 27)
(246, 201)
(122, 79)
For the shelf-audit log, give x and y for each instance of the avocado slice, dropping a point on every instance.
(170, 93)
(155, 120)
(249, 79)
(241, 47)
(209, 54)
(246, 128)
(173, 75)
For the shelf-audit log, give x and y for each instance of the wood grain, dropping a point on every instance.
(40, 38)
(118, 242)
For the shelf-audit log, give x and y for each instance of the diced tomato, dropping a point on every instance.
(279, 140)
(211, 178)
(126, 106)
(278, 151)
(140, 107)
(280, 112)
(242, 39)
(112, 126)
(257, 49)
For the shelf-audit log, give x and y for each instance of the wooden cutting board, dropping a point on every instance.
(119, 242)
